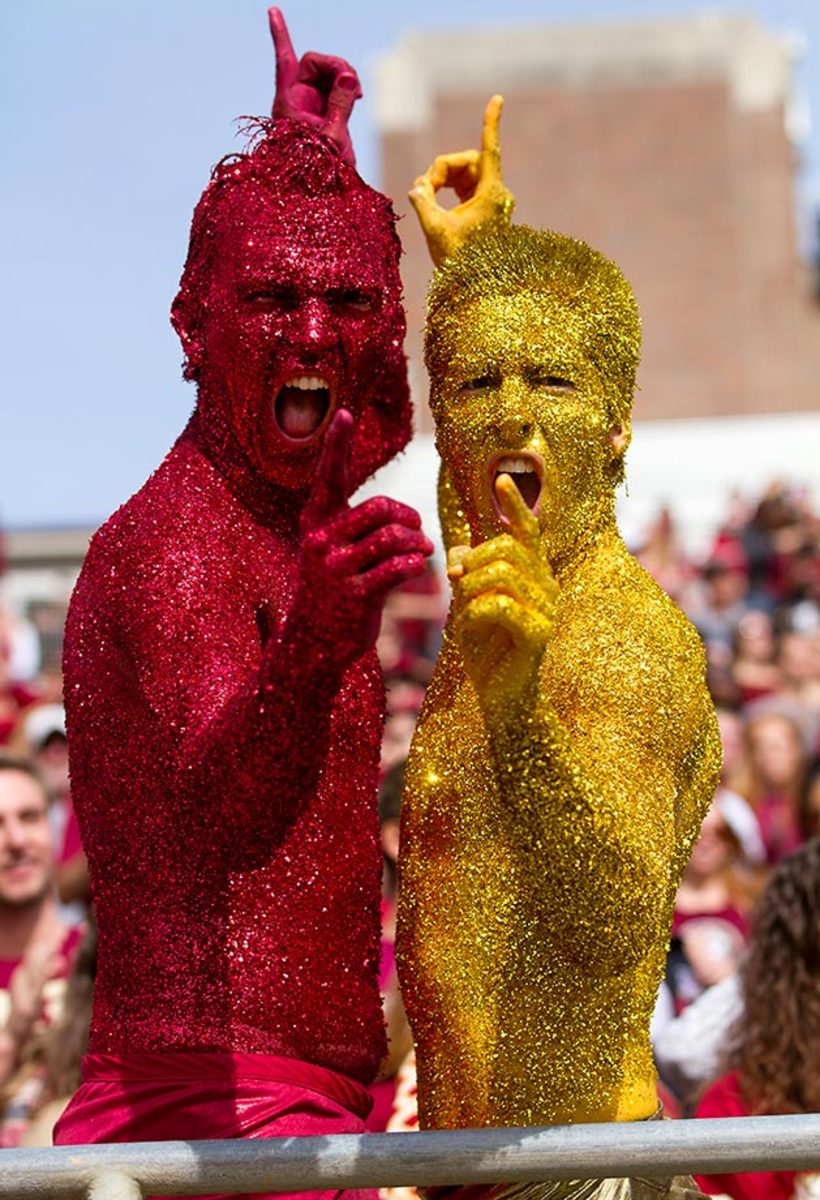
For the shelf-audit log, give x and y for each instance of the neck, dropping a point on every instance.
(20, 926)
(272, 505)
(598, 534)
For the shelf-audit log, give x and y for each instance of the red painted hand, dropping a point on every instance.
(317, 88)
(351, 557)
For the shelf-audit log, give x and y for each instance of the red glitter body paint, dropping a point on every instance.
(224, 699)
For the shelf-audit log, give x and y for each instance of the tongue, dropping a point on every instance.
(299, 413)
(528, 485)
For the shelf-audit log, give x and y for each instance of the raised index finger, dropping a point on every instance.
(523, 523)
(490, 141)
(329, 492)
(286, 62)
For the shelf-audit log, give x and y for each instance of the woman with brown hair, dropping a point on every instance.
(773, 1049)
(776, 766)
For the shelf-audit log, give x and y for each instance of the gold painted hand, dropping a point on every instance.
(476, 178)
(504, 599)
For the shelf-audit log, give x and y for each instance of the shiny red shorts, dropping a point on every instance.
(197, 1095)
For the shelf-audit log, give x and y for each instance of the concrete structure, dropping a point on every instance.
(42, 564)
(666, 145)
(41, 568)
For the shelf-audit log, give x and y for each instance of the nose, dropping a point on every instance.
(13, 835)
(515, 426)
(316, 327)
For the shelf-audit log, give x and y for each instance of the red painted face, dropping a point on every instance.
(297, 314)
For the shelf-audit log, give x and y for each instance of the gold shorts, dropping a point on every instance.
(636, 1187)
(673, 1187)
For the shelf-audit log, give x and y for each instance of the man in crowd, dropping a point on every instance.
(224, 698)
(35, 944)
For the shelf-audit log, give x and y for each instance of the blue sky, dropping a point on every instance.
(114, 114)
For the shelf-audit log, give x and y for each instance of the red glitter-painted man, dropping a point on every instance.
(224, 697)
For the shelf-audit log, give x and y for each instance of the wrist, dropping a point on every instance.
(510, 697)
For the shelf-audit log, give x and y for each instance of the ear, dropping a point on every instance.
(183, 319)
(620, 436)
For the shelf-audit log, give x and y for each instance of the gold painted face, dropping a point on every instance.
(518, 394)
(531, 344)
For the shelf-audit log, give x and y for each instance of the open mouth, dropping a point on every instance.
(303, 406)
(527, 473)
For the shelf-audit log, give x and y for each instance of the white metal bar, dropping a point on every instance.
(458, 1157)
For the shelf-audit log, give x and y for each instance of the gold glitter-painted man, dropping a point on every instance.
(567, 749)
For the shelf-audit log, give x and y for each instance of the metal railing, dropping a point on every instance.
(477, 1156)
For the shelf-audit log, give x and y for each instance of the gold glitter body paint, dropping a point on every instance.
(567, 748)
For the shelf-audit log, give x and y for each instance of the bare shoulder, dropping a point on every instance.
(655, 618)
(162, 538)
(616, 624)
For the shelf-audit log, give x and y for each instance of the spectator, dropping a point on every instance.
(798, 695)
(754, 668)
(663, 557)
(710, 920)
(688, 1048)
(737, 811)
(14, 695)
(810, 802)
(51, 1073)
(404, 698)
(723, 603)
(43, 739)
(766, 538)
(776, 765)
(35, 945)
(773, 1050)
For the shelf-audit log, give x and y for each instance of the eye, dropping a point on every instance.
(352, 300)
(555, 382)
(270, 296)
(480, 384)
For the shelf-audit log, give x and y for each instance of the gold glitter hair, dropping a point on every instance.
(512, 259)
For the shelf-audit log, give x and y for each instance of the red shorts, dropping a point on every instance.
(196, 1095)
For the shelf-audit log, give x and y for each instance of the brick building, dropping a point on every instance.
(663, 143)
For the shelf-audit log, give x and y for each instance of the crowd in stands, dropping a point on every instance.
(737, 1025)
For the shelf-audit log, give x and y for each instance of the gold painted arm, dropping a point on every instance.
(600, 814)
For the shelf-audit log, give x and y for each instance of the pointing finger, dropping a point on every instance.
(283, 47)
(329, 493)
(490, 142)
(522, 520)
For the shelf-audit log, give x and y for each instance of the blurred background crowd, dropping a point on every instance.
(737, 1024)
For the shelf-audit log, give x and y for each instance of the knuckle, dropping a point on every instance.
(375, 506)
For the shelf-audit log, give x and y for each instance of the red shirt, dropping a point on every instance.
(724, 1099)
